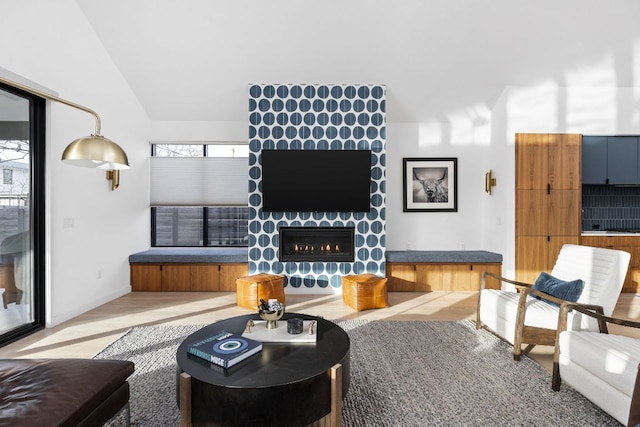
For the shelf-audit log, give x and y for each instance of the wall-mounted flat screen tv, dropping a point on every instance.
(316, 180)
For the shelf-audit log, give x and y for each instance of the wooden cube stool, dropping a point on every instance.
(251, 289)
(364, 291)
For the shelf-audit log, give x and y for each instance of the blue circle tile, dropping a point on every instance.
(377, 92)
(269, 254)
(255, 199)
(372, 106)
(304, 132)
(332, 132)
(350, 119)
(283, 91)
(323, 119)
(309, 91)
(377, 119)
(336, 91)
(323, 92)
(291, 132)
(269, 91)
(372, 132)
(252, 105)
(277, 105)
(345, 132)
(309, 119)
(282, 119)
(318, 132)
(255, 91)
(331, 106)
(358, 132)
(345, 106)
(255, 118)
(318, 105)
(264, 105)
(350, 92)
(336, 145)
(296, 119)
(304, 105)
(309, 145)
(268, 119)
(363, 92)
(377, 201)
(255, 172)
(291, 105)
(358, 105)
(296, 91)
(336, 119)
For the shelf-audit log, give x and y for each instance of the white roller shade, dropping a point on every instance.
(199, 181)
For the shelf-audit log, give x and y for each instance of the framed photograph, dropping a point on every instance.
(430, 184)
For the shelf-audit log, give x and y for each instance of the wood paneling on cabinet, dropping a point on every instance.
(425, 277)
(187, 277)
(548, 200)
(629, 244)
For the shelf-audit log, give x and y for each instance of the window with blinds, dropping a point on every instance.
(198, 194)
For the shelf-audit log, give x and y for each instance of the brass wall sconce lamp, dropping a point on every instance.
(489, 182)
(94, 151)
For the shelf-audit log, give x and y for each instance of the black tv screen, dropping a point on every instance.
(316, 180)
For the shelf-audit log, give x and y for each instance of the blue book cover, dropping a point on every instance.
(225, 348)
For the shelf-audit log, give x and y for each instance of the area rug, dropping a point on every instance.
(403, 373)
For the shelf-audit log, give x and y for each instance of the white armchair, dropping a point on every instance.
(519, 318)
(601, 366)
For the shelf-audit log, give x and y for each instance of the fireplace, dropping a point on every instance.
(321, 244)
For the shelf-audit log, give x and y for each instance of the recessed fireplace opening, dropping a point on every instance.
(321, 244)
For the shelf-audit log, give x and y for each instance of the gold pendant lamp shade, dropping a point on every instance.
(95, 151)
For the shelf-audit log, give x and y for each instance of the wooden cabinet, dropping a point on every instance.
(425, 277)
(629, 244)
(548, 200)
(186, 277)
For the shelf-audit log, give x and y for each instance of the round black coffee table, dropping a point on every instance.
(284, 385)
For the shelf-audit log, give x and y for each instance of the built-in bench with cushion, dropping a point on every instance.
(188, 269)
(440, 270)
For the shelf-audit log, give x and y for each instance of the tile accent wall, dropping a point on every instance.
(322, 117)
(605, 207)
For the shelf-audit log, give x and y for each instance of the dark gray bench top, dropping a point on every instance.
(186, 255)
(444, 256)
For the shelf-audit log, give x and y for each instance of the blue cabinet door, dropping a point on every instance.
(622, 159)
(594, 159)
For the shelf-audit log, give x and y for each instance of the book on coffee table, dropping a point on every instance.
(225, 348)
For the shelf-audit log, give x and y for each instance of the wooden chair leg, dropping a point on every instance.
(336, 395)
(185, 400)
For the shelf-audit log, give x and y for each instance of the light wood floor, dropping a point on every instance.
(85, 335)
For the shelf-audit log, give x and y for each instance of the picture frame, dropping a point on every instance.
(430, 184)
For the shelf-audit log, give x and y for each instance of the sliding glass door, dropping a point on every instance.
(22, 259)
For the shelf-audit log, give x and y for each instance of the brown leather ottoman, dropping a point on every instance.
(251, 289)
(62, 392)
(364, 291)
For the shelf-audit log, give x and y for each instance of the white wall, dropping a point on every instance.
(88, 263)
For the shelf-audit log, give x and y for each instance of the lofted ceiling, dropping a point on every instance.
(440, 59)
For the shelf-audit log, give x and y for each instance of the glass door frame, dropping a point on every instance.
(37, 155)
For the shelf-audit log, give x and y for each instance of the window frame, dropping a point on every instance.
(205, 209)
